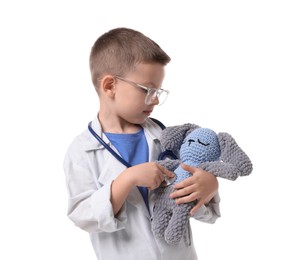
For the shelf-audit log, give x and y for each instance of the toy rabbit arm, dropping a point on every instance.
(233, 160)
(221, 169)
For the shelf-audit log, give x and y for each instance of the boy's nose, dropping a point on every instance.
(154, 101)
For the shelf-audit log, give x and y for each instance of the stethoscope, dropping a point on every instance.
(166, 154)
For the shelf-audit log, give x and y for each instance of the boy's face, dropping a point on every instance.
(129, 101)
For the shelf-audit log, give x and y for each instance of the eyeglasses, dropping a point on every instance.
(152, 93)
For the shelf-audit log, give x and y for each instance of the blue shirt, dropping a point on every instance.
(134, 149)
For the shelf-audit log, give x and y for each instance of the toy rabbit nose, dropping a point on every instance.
(168, 181)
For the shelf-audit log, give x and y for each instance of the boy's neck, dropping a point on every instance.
(114, 125)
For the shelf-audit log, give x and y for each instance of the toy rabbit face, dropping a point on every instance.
(201, 145)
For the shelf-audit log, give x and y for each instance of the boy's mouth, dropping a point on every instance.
(148, 112)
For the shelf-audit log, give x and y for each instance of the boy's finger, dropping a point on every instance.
(184, 183)
(165, 171)
(188, 168)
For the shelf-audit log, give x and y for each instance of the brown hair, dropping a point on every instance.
(117, 51)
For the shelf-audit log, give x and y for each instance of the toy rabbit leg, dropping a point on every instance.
(162, 211)
(178, 223)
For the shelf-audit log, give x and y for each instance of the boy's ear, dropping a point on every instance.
(107, 85)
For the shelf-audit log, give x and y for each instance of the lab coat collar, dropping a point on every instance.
(152, 129)
(91, 142)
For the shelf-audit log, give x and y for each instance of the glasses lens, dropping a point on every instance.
(156, 93)
(162, 95)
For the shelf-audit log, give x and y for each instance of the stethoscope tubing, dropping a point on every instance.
(101, 141)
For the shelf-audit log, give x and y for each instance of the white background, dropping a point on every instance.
(234, 68)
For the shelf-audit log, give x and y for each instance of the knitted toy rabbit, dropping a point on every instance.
(198, 147)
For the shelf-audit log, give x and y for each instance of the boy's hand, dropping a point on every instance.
(149, 175)
(201, 186)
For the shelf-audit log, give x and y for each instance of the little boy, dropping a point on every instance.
(110, 200)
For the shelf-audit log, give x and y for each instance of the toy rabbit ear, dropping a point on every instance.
(173, 136)
(231, 153)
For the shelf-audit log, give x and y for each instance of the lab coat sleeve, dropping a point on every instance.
(209, 213)
(89, 206)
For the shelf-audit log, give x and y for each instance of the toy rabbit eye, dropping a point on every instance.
(202, 143)
(189, 141)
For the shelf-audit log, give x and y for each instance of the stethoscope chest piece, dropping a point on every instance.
(168, 181)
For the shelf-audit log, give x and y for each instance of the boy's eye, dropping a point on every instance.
(202, 143)
(144, 90)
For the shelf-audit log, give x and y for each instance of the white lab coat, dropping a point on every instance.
(90, 170)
